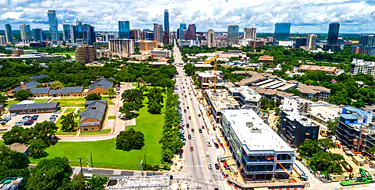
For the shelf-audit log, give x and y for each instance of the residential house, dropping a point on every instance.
(92, 118)
(100, 87)
(21, 148)
(40, 92)
(35, 108)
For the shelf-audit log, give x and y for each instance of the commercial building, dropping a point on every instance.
(145, 46)
(311, 42)
(221, 100)
(158, 32)
(271, 94)
(2, 41)
(247, 97)
(161, 53)
(124, 29)
(301, 42)
(85, 54)
(53, 25)
(121, 47)
(333, 38)
(294, 127)
(368, 50)
(232, 34)
(50, 107)
(8, 33)
(356, 130)
(250, 34)
(266, 59)
(191, 32)
(165, 37)
(360, 66)
(181, 31)
(285, 43)
(37, 35)
(317, 92)
(211, 39)
(17, 52)
(92, 118)
(256, 43)
(282, 31)
(82, 34)
(259, 153)
(25, 33)
(66, 32)
(166, 20)
(189, 43)
(328, 70)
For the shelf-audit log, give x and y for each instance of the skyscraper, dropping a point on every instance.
(166, 20)
(333, 33)
(8, 33)
(37, 35)
(250, 34)
(311, 42)
(25, 33)
(135, 34)
(282, 31)
(158, 32)
(53, 25)
(190, 33)
(211, 38)
(232, 34)
(165, 37)
(148, 34)
(66, 32)
(160, 27)
(88, 34)
(182, 28)
(124, 29)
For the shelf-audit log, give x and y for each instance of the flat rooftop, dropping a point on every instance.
(247, 93)
(221, 100)
(253, 132)
(325, 111)
(306, 122)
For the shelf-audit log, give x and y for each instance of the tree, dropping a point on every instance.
(154, 108)
(111, 92)
(326, 143)
(50, 174)
(308, 148)
(56, 85)
(277, 111)
(272, 104)
(97, 182)
(331, 124)
(264, 103)
(3, 99)
(130, 139)
(68, 123)
(45, 131)
(13, 163)
(38, 147)
(23, 95)
(93, 97)
(371, 150)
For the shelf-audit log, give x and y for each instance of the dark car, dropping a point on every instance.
(35, 117)
(189, 136)
(7, 118)
(3, 122)
(187, 125)
(29, 122)
(217, 166)
(52, 119)
(200, 130)
(192, 130)
(199, 115)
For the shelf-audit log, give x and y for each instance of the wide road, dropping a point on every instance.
(196, 161)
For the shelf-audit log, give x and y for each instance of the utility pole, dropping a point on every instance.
(80, 163)
(91, 159)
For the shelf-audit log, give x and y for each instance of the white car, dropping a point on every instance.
(207, 154)
(210, 166)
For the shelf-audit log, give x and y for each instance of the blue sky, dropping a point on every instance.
(306, 16)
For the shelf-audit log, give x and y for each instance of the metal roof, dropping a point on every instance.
(38, 77)
(68, 90)
(94, 110)
(101, 83)
(349, 116)
(15, 107)
(39, 90)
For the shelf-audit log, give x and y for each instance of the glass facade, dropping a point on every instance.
(282, 31)
(124, 29)
(53, 25)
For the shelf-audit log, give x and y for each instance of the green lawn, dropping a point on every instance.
(109, 102)
(1, 142)
(105, 131)
(74, 102)
(69, 53)
(2, 132)
(40, 100)
(9, 102)
(112, 117)
(105, 154)
(135, 84)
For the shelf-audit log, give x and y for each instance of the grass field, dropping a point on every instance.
(69, 53)
(74, 102)
(105, 131)
(112, 117)
(105, 154)
(1, 142)
(58, 123)
(9, 102)
(80, 110)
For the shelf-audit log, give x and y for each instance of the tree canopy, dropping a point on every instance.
(129, 140)
(23, 95)
(93, 97)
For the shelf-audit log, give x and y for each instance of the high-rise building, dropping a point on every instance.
(311, 42)
(165, 37)
(333, 33)
(37, 35)
(2, 41)
(124, 29)
(166, 20)
(191, 32)
(211, 38)
(73, 33)
(25, 33)
(282, 31)
(135, 34)
(66, 32)
(250, 34)
(82, 34)
(158, 32)
(232, 34)
(366, 45)
(121, 47)
(367, 40)
(181, 31)
(301, 42)
(148, 34)
(8, 33)
(160, 27)
(53, 25)
(85, 54)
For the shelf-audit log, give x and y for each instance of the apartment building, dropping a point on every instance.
(247, 97)
(356, 130)
(259, 153)
(360, 66)
(295, 127)
(221, 100)
(310, 92)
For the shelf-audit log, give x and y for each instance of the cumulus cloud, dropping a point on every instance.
(305, 15)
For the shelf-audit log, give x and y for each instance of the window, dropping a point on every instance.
(85, 129)
(92, 129)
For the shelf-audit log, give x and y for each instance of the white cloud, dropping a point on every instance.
(305, 15)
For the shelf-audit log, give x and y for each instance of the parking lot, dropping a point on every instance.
(42, 117)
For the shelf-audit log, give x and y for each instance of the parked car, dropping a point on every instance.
(52, 119)
(217, 166)
(27, 117)
(192, 130)
(189, 136)
(202, 126)
(35, 117)
(209, 166)
(29, 122)
(199, 115)
(13, 114)
(200, 130)
(3, 122)
(7, 118)
(187, 125)
(18, 123)
(189, 117)
(207, 154)
(53, 116)
(191, 148)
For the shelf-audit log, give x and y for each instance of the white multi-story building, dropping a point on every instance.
(248, 98)
(360, 66)
(259, 153)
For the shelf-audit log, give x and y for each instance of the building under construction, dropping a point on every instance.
(259, 153)
(221, 100)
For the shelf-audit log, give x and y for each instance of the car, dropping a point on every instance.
(29, 122)
(209, 166)
(192, 130)
(217, 166)
(199, 115)
(191, 148)
(202, 126)
(18, 123)
(189, 136)
(7, 118)
(189, 117)
(207, 154)
(200, 130)
(52, 119)
(53, 116)
(13, 114)
(181, 126)
(35, 117)
(26, 117)
(187, 107)
(3, 122)
(185, 96)
(208, 143)
(187, 125)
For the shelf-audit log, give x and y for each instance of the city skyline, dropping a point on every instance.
(306, 16)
